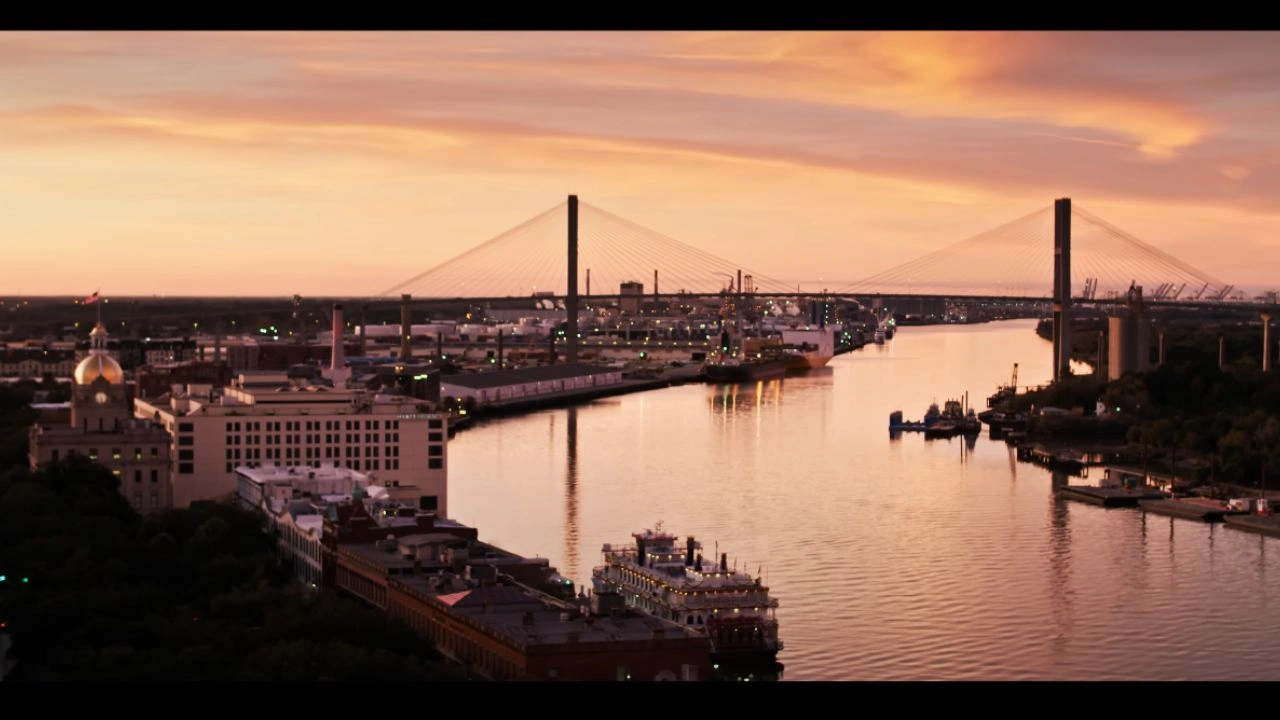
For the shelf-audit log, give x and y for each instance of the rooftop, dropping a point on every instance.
(499, 378)
(533, 618)
(279, 474)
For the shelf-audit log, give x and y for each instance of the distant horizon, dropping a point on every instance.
(340, 163)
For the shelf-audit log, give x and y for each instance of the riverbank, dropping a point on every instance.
(670, 377)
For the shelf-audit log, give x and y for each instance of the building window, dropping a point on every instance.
(435, 464)
(435, 437)
(228, 453)
(185, 427)
(435, 424)
(137, 476)
(155, 452)
(186, 440)
(185, 468)
(186, 455)
(428, 502)
(137, 453)
(435, 450)
(93, 453)
(155, 476)
(155, 500)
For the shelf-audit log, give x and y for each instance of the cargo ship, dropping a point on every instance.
(756, 360)
(653, 575)
(809, 348)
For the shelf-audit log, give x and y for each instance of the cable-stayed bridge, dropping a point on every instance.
(1014, 261)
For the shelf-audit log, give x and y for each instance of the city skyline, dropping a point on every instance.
(205, 163)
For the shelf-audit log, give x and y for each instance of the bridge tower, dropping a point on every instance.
(571, 296)
(1061, 288)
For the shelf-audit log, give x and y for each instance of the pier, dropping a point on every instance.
(1110, 496)
(1190, 509)
(1262, 524)
(669, 378)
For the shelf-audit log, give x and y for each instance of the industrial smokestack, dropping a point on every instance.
(1102, 355)
(406, 329)
(1222, 352)
(336, 359)
(655, 284)
(588, 282)
(1266, 342)
(724, 562)
(363, 326)
(499, 349)
(688, 552)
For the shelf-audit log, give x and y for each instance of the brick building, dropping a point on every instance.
(481, 606)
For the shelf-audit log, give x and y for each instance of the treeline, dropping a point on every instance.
(92, 591)
(1223, 422)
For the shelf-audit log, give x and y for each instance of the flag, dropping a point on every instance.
(92, 298)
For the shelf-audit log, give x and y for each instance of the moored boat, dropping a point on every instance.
(653, 575)
(808, 348)
(756, 360)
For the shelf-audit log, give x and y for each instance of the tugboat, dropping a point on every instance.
(653, 576)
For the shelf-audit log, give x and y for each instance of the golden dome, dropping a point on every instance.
(99, 365)
(98, 329)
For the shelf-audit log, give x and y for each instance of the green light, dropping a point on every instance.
(25, 580)
(3, 578)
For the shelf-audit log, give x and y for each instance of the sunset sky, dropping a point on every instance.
(342, 163)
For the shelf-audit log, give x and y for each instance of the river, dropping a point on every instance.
(891, 559)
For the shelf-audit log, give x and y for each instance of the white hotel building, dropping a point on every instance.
(265, 419)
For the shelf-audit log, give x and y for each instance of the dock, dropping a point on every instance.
(1190, 509)
(1263, 524)
(545, 401)
(1110, 496)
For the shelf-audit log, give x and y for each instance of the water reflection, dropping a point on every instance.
(744, 397)
(571, 494)
(1059, 573)
(910, 566)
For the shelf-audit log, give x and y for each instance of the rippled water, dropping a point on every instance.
(892, 559)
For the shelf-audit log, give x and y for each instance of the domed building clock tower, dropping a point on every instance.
(99, 402)
(103, 429)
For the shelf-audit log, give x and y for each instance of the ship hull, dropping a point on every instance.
(759, 665)
(808, 362)
(746, 372)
